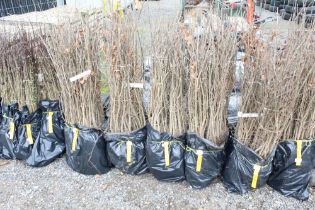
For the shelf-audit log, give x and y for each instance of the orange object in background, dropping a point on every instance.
(250, 11)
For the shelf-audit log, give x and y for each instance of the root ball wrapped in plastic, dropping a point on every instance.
(50, 143)
(127, 151)
(86, 150)
(203, 161)
(8, 131)
(293, 164)
(28, 131)
(165, 155)
(244, 169)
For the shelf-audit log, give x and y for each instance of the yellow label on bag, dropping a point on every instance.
(50, 122)
(199, 160)
(166, 153)
(11, 130)
(29, 134)
(298, 159)
(129, 151)
(255, 176)
(75, 139)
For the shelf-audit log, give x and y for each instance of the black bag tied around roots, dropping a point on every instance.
(126, 151)
(244, 169)
(165, 155)
(203, 161)
(292, 168)
(8, 136)
(50, 143)
(27, 134)
(86, 150)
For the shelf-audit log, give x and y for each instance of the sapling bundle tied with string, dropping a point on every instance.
(127, 136)
(75, 53)
(211, 60)
(295, 154)
(167, 111)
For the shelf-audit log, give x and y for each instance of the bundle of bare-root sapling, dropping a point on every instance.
(167, 108)
(211, 60)
(17, 69)
(75, 53)
(17, 86)
(127, 136)
(296, 151)
(270, 92)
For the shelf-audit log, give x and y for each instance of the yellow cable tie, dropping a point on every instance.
(298, 160)
(166, 153)
(199, 160)
(255, 175)
(50, 122)
(29, 134)
(129, 151)
(11, 130)
(75, 139)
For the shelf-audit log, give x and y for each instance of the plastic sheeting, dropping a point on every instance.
(203, 161)
(292, 168)
(50, 143)
(86, 150)
(165, 155)
(126, 151)
(244, 169)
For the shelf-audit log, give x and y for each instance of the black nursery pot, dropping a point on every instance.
(8, 134)
(86, 150)
(126, 151)
(50, 143)
(203, 161)
(244, 169)
(165, 155)
(292, 168)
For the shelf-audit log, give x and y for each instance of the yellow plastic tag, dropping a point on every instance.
(298, 159)
(75, 139)
(29, 133)
(129, 152)
(166, 153)
(11, 131)
(50, 122)
(255, 176)
(199, 160)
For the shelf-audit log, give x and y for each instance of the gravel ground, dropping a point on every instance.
(58, 187)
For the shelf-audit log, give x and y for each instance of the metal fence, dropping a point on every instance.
(11, 7)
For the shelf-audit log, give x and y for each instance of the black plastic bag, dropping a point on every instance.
(50, 143)
(245, 170)
(203, 161)
(28, 131)
(86, 150)
(127, 151)
(165, 155)
(8, 134)
(292, 168)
